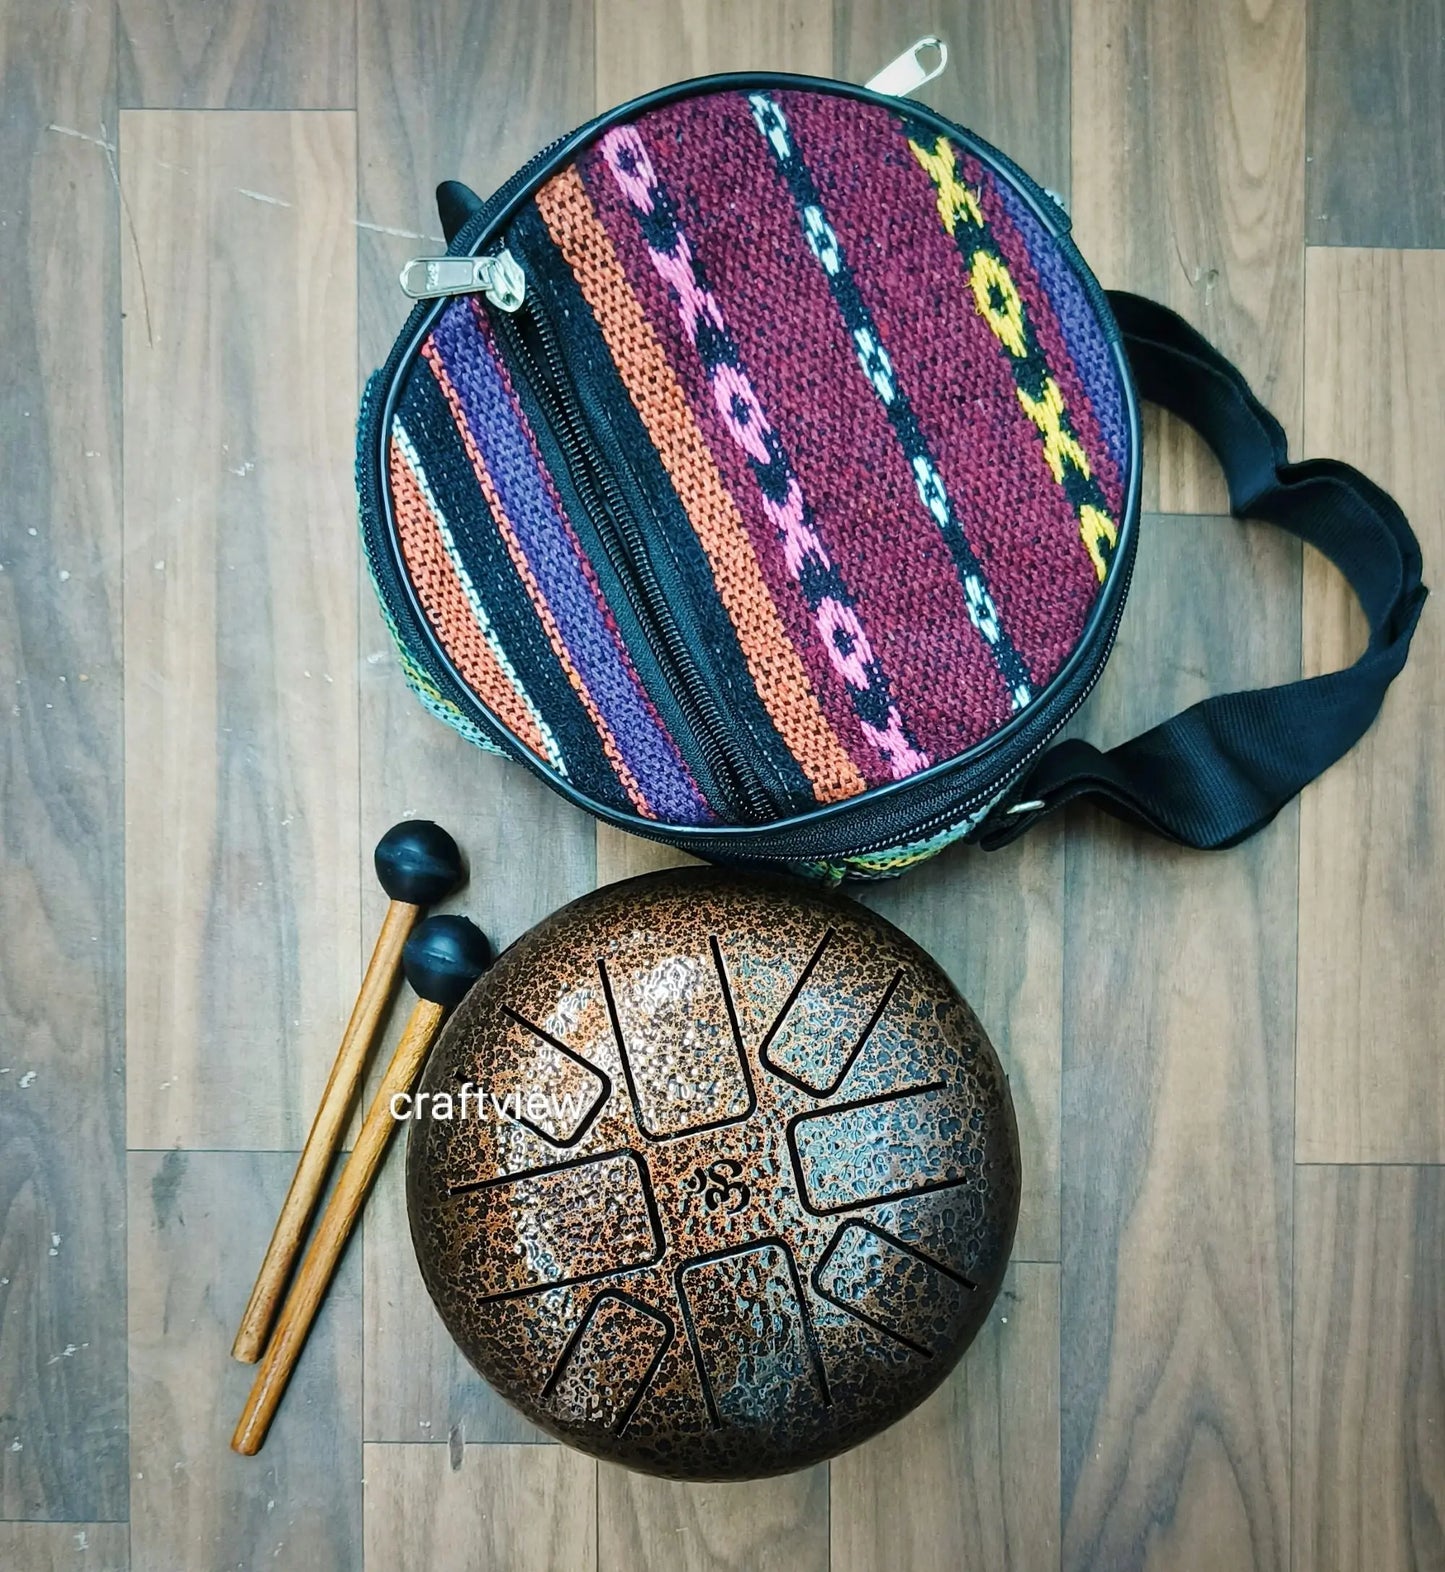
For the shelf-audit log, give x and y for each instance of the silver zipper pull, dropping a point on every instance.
(499, 278)
(902, 76)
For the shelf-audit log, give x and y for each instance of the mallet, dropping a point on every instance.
(442, 959)
(418, 864)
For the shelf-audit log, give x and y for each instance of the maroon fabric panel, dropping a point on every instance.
(652, 294)
(882, 205)
(746, 232)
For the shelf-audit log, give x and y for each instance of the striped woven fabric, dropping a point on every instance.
(849, 406)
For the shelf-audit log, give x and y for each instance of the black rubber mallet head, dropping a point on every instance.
(444, 957)
(418, 863)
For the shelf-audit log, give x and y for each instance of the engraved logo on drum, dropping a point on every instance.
(719, 1186)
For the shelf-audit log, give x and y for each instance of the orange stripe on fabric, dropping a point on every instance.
(445, 602)
(774, 664)
(534, 590)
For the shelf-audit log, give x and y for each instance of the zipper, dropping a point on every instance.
(499, 277)
(902, 76)
(997, 766)
(535, 351)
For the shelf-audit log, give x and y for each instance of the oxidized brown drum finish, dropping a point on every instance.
(771, 1204)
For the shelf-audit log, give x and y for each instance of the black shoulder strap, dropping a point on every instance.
(456, 204)
(1222, 769)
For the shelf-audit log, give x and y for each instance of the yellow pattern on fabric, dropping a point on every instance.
(1047, 413)
(1000, 305)
(955, 200)
(1098, 530)
(989, 277)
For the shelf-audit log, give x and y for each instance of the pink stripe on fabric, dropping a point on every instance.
(841, 633)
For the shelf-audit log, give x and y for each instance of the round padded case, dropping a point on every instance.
(713, 1177)
(789, 472)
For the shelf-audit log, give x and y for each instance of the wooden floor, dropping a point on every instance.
(1222, 1342)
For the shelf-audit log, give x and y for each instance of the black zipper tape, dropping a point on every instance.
(534, 350)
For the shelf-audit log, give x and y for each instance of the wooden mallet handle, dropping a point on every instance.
(443, 958)
(337, 1221)
(327, 1130)
(417, 863)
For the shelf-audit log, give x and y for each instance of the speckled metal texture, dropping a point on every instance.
(764, 1200)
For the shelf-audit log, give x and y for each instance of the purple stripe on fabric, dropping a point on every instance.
(1045, 322)
(1019, 523)
(555, 557)
(1083, 338)
(775, 298)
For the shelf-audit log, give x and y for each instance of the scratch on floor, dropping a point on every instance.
(108, 147)
(261, 196)
(81, 136)
(403, 234)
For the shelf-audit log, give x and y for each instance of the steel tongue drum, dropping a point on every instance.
(713, 1177)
